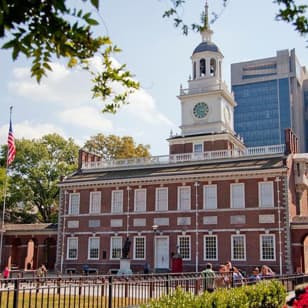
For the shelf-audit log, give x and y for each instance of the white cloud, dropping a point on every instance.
(87, 117)
(143, 107)
(62, 86)
(29, 130)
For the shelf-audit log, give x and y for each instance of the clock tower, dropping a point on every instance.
(207, 106)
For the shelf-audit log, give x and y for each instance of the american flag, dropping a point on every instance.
(11, 152)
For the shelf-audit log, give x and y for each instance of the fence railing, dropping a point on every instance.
(106, 291)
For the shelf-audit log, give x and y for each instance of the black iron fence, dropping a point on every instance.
(108, 291)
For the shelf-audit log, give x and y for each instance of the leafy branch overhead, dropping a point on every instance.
(41, 30)
(289, 11)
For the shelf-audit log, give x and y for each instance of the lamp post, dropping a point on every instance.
(197, 227)
(277, 180)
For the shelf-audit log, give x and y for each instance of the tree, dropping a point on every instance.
(115, 147)
(43, 29)
(33, 190)
(289, 11)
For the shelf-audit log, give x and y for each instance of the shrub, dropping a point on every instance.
(264, 294)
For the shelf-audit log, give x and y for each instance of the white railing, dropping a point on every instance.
(184, 157)
(216, 87)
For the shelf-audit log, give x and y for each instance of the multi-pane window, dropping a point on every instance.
(184, 246)
(117, 201)
(266, 194)
(72, 248)
(162, 199)
(198, 147)
(116, 247)
(93, 248)
(238, 247)
(140, 200)
(184, 198)
(139, 251)
(267, 247)
(74, 204)
(95, 202)
(210, 247)
(210, 196)
(237, 196)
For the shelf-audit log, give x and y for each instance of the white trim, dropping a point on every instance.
(205, 187)
(111, 247)
(232, 254)
(71, 195)
(274, 246)
(237, 206)
(260, 184)
(204, 247)
(91, 206)
(136, 191)
(156, 198)
(189, 248)
(120, 210)
(179, 188)
(144, 247)
(68, 239)
(89, 247)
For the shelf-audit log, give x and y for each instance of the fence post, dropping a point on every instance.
(16, 292)
(110, 292)
(167, 284)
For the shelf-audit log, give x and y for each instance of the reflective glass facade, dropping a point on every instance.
(263, 111)
(306, 118)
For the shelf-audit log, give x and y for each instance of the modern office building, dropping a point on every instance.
(270, 97)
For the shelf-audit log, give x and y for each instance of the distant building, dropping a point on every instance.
(211, 199)
(270, 97)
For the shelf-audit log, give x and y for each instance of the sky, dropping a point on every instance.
(157, 54)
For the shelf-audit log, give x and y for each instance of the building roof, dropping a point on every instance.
(206, 46)
(26, 228)
(176, 171)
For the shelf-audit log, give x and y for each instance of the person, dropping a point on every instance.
(43, 270)
(266, 272)
(208, 278)
(237, 276)
(222, 278)
(146, 268)
(6, 275)
(255, 276)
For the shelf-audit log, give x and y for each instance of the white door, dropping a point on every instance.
(162, 252)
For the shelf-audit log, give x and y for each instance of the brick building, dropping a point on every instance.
(211, 199)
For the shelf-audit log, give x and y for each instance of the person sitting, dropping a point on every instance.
(238, 278)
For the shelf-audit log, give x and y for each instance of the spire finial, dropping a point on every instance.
(206, 16)
(206, 32)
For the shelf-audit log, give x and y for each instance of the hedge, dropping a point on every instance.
(264, 294)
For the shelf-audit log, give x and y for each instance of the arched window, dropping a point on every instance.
(202, 67)
(213, 67)
(194, 71)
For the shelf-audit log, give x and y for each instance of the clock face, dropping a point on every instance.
(201, 110)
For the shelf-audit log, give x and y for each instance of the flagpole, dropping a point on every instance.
(4, 197)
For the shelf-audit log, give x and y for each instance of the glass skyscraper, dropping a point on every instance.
(270, 97)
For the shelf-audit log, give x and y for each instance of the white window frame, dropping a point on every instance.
(264, 186)
(137, 247)
(161, 202)
(96, 241)
(233, 257)
(95, 202)
(69, 247)
(117, 255)
(195, 147)
(205, 247)
(262, 236)
(210, 197)
(117, 201)
(181, 201)
(74, 208)
(240, 203)
(140, 204)
(186, 248)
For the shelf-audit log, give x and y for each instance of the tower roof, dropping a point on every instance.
(206, 46)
